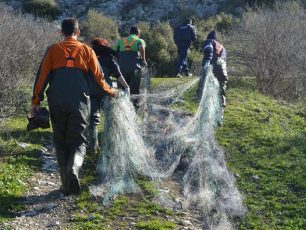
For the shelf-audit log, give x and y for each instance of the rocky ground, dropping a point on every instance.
(46, 206)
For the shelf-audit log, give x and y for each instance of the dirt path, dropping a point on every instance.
(45, 206)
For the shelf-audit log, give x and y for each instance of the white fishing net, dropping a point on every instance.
(170, 143)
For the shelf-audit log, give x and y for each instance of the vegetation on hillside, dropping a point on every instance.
(19, 159)
(271, 43)
(265, 141)
(42, 8)
(24, 41)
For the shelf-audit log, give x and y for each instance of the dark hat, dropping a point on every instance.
(212, 35)
(40, 120)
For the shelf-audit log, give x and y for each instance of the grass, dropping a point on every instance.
(265, 143)
(17, 163)
(188, 102)
(129, 210)
(266, 138)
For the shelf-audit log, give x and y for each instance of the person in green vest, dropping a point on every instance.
(131, 59)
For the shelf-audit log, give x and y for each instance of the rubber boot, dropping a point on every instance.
(93, 141)
(65, 180)
(74, 165)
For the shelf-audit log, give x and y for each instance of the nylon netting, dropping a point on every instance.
(168, 143)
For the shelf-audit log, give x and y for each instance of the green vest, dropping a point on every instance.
(129, 43)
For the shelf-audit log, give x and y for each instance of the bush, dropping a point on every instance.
(42, 8)
(271, 43)
(22, 46)
(98, 25)
(161, 50)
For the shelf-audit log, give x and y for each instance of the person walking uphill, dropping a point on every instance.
(184, 36)
(131, 58)
(215, 54)
(65, 68)
(110, 68)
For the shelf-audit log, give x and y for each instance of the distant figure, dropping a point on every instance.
(215, 54)
(106, 57)
(65, 68)
(184, 36)
(131, 58)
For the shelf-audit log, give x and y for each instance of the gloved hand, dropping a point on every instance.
(143, 63)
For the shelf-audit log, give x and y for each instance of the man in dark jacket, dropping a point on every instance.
(65, 68)
(184, 36)
(131, 58)
(215, 54)
(106, 57)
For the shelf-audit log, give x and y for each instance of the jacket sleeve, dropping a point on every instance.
(208, 53)
(193, 34)
(95, 69)
(41, 79)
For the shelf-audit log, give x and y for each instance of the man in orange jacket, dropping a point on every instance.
(66, 68)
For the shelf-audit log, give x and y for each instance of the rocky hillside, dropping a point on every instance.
(132, 11)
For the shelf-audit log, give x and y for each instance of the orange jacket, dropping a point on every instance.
(55, 58)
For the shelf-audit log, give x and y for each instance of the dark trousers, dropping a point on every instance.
(69, 135)
(182, 65)
(133, 79)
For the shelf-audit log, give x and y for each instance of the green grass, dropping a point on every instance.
(124, 209)
(188, 102)
(17, 163)
(267, 138)
(156, 224)
(261, 136)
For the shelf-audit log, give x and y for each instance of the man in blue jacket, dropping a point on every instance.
(215, 54)
(184, 36)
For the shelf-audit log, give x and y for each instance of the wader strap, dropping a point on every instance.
(127, 45)
(71, 58)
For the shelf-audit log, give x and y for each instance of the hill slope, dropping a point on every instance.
(265, 144)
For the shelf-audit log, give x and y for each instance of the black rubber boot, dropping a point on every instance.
(93, 141)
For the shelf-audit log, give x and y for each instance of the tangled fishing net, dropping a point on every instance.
(166, 141)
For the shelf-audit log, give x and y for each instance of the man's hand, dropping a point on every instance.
(34, 110)
(115, 93)
(143, 64)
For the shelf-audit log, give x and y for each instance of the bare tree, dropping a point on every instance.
(272, 42)
(23, 41)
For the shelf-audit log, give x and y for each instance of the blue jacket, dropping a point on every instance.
(210, 55)
(185, 35)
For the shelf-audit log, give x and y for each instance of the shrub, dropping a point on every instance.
(271, 42)
(225, 22)
(161, 50)
(22, 46)
(42, 8)
(99, 25)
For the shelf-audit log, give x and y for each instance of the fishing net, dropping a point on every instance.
(166, 142)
